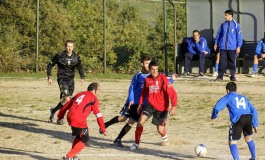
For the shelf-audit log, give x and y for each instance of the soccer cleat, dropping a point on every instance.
(51, 116)
(73, 158)
(118, 143)
(232, 78)
(186, 73)
(215, 74)
(253, 159)
(60, 122)
(218, 79)
(134, 146)
(201, 74)
(165, 143)
(253, 75)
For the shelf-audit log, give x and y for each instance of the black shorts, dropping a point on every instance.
(67, 87)
(159, 118)
(81, 133)
(244, 124)
(130, 113)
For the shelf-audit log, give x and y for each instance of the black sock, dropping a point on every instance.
(59, 106)
(124, 131)
(112, 121)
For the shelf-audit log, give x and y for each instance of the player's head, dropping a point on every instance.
(94, 87)
(231, 87)
(228, 15)
(196, 34)
(69, 46)
(145, 60)
(153, 68)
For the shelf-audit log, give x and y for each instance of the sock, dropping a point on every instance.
(138, 133)
(112, 121)
(124, 131)
(252, 148)
(164, 136)
(75, 141)
(234, 151)
(216, 67)
(255, 67)
(59, 106)
(76, 149)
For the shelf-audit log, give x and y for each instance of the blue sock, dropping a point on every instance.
(252, 148)
(234, 151)
(216, 67)
(255, 67)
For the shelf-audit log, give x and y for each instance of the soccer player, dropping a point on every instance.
(229, 40)
(129, 110)
(158, 91)
(80, 106)
(66, 62)
(243, 117)
(260, 54)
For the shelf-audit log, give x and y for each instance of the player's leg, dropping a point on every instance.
(82, 137)
(247, 131)
(222, 64)
(215, 74)
(188, 59)
(231, 59)
(120, 118)
(202, 57)
(159, 119)
(255, 65)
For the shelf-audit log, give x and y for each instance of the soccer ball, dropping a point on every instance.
(200, 150)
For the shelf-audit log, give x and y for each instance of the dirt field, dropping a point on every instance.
(25, 133)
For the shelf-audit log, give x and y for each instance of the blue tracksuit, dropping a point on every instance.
(237, 105)
(260, 47)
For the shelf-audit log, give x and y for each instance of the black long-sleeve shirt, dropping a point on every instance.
(66, 65)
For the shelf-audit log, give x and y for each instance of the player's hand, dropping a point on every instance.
(105, 133)
(172, 111)
(49, 81)
(82, 82)
(237, 50)
(129, 105)
(174, 76)
(60, 121)
(255, 129)
(262, 55)
(139, 109)
(215, 47)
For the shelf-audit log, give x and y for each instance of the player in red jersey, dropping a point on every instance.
(80, 106)
(159, 90)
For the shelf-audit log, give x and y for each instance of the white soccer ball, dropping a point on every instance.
(200, 150)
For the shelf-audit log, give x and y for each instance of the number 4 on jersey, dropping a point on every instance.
(240, 102)
(80, 99)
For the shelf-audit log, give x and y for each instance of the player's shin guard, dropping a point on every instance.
(112, 121)
(138, 133)
(76, 149)
(124, 131)
(252, 148)
(234, 151)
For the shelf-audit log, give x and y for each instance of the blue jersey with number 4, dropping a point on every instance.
(237, 105)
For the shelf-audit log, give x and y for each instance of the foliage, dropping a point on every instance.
(133, 29)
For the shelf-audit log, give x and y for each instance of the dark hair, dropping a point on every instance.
(93, 86)
(68, 41)
(146, 58)
(230, 12)
(196, 31)
(231, 86)
(153, 63)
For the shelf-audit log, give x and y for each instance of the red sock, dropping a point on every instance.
(164, 133)
(75, 141)
(76, 149)
(138, 133)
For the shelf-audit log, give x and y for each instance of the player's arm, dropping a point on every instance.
(99, 116)
(220, 105)
(131, 90)
(254, 113)
(172, 95)
(80, 69)
(142, 98)
(218, 37)
(50, 66)
(63, 110)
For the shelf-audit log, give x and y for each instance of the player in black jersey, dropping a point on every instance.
(66, 62)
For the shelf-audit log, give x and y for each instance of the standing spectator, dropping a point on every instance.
(243, 117)
(129, 110)
(66, 62)
(197, 45)
(260, 54)
(158, 89)
(229, 40)
(80, 106)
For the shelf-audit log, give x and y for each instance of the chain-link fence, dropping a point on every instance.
(133, 28)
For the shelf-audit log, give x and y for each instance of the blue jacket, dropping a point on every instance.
(231, 41)
(197, 48)
(260, 47)
(237, 105)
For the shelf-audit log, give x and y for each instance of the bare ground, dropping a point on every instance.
(25, 133)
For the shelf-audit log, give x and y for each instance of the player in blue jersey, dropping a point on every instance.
(129, 110)
(243, 117)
